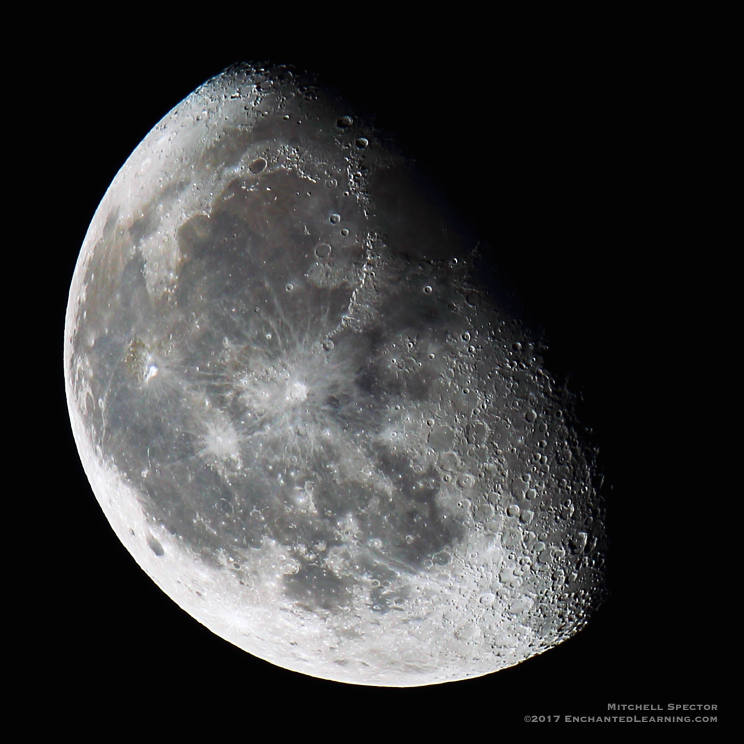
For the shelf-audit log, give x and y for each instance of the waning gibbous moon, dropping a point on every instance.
(305, 404)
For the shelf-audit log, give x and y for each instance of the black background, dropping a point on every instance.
(564, 154)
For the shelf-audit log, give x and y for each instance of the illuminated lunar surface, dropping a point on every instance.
(306, 408)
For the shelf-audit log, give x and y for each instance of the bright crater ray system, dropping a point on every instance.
(306, 408)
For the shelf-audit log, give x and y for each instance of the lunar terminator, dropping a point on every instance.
(309, 411)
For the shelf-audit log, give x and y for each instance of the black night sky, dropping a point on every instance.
(562, 157)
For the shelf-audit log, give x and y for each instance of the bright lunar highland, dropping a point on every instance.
(307, 408)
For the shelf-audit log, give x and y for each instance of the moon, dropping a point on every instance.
(305, 399)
